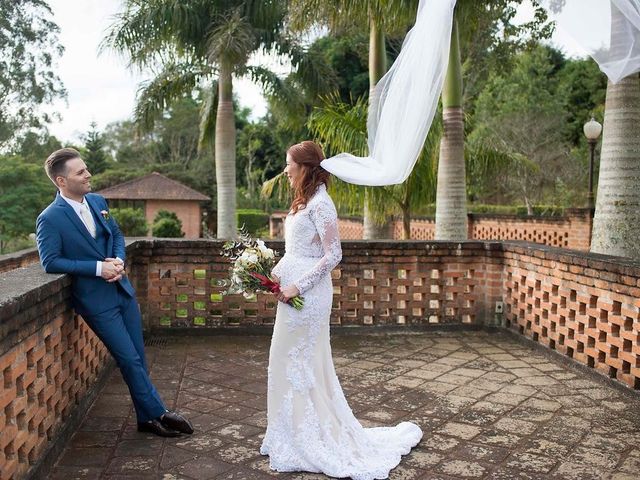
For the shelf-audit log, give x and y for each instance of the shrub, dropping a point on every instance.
(253, 220)
(166, 214)
(132, 221)
(166, 224)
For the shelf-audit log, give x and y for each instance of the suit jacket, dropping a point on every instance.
(66, 246)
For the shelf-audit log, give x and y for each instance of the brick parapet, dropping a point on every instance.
(49, 359)
(22, 258)
(585, 306)
(572, 230)
(377, 283)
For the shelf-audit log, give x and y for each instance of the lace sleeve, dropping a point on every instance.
(325, 218)
(277, 270)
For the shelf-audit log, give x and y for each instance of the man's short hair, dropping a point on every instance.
(55, 164)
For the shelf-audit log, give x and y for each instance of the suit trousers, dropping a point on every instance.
(120, 329)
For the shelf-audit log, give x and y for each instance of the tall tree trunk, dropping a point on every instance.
(616, 223)
(406, 222)
(371, 229)
(377, 68)
(451, 198)
(225, 147)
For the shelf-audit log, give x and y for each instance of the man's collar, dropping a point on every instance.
(74, 203)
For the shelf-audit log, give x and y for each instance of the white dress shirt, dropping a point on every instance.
(77, 207)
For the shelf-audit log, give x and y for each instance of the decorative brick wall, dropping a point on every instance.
(421, 229)
(377, 283)
(351, 228)
(570, 231)
(582, 305)
(586, 307)
(49, 359)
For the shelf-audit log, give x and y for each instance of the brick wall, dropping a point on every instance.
(572, 230)
(586, 307)
(22, 258)
(49, 359)
(377, 283)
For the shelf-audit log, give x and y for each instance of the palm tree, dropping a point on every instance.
(476, 17)
(380, 16)
(192, 43)
(343, 127)
(616, 223)
(451, 198)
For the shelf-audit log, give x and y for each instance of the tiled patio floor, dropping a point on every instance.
(490, 408)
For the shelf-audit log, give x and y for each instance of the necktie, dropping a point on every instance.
(87, 218)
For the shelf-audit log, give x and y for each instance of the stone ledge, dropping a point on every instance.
(18, 259)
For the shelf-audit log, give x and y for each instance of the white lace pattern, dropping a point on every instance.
(310, 425)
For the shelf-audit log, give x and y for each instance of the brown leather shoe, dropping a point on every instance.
(175, 421)
(157, 428)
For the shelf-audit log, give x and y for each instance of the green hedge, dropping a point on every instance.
(520, 210)
(255, 221)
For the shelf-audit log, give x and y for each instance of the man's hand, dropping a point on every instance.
(288, 292)
(112, 269)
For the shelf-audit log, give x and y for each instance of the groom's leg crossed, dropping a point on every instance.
(133, 323)
(110, 328)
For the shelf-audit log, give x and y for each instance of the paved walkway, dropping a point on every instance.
(489, 406)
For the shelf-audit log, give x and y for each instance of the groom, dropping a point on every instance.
(76, 235)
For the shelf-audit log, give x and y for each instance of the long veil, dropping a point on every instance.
(406, 98)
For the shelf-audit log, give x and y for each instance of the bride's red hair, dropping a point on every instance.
(308, 156)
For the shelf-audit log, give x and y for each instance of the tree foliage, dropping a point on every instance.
(93, 153)
(25, 191)
(166, 224)
(531, 116)
(29, 48)
(132, 221)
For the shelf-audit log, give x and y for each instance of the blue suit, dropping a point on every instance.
(110, 309)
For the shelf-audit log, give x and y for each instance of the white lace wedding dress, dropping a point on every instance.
(310, 425)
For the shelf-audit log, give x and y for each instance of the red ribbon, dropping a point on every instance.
(266, 282)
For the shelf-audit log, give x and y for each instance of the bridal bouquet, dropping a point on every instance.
(251, 269)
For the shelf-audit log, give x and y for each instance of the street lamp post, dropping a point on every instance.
(592, 130)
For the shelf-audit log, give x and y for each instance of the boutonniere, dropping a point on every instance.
(105, 214)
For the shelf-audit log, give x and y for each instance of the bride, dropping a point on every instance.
(310, 425)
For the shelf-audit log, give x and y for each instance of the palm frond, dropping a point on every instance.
(274, 86)
(340, 126)
(208, 117)
(146, 29)
(338, 15)
(231, 40)
(314, 72)
(277, 187)
(155, 96)
(267, 20)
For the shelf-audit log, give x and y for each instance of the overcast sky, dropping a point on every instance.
(102, 89)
